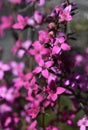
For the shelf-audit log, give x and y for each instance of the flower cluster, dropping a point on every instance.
(37, 87)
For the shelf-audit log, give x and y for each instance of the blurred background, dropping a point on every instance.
(79, 26)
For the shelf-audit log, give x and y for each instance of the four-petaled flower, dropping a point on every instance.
(83, 123)
(65, 14)
(21, 22)
(43, 68)
(53, 91)
(37, 51)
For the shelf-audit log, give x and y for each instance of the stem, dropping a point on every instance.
(43, 121)
(67, 1)
(32, 38)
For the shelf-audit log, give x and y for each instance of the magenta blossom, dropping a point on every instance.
(24, 48)
(16, 47)
(83, 123)
(59, 45)
(43, 68)
(8, 94)
(37, 51)
(41, 2)
(5, 108)
(53, 91)
(21, 22)
(65, 14)
(32, 126)
(38, 17)
(23, 80)
(6, 21)
(43, 37)
(16, 67)
(34, 110)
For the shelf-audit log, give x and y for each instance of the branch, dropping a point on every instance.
(67, 2)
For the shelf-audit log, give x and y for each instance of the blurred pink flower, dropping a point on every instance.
(24, 48)
(43, 37)
(8, 94)
(16, 47)
(5, 108)
(6, 21)
(21, 22)
(41, 2)
(15, 67)
(83, 123)
(38, 17)
(34, 110)
(22, 80)
(32, 125)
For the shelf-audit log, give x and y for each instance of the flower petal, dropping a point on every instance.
(60, 90)
(37, 70)
(1, 74)
(48, 64)
(45, 73)
(65, 47)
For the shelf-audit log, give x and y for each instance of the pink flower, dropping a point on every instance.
(65, 14)
(22, 80)
(43, 68)
(16, 67)
(6, 21)
(37, 51)
(34, 110)
(24, 48)
(16, 47)
(59, 45)
(65, 47)
(38, 17)
(31, 21)
(43, 37)
(53, 91)
(78, 59)
(7, 121)
(83, 123)
(5, 108)
(8, 94)
(32, 125)
(3, 68)
(41, 2)
(21, 22)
